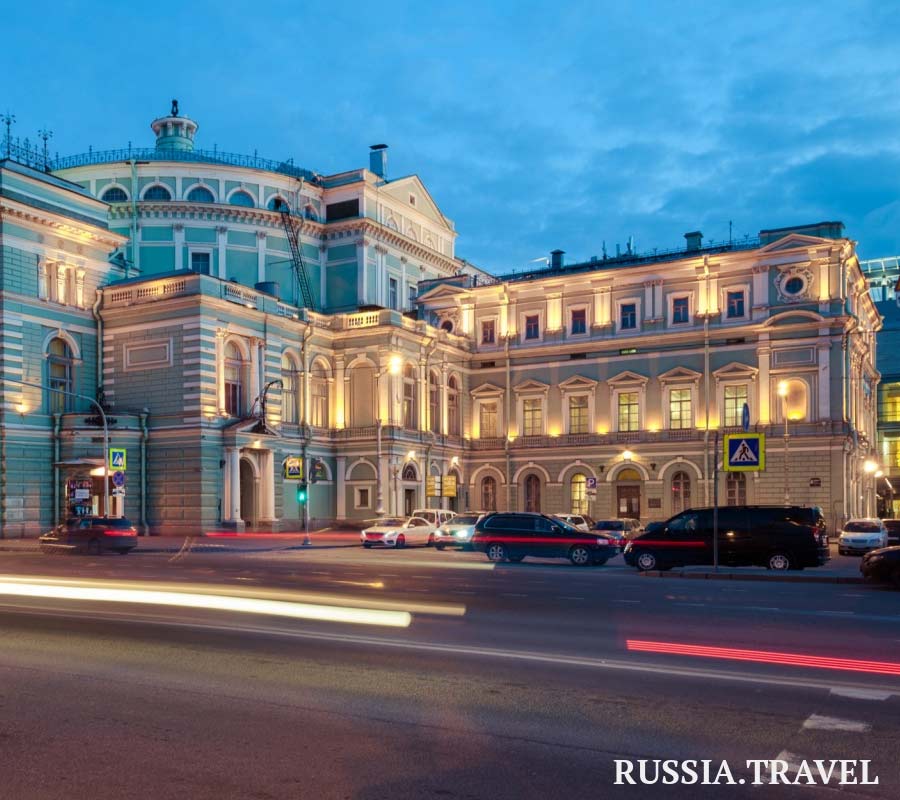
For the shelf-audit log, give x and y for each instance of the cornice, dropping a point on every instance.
(80, 234)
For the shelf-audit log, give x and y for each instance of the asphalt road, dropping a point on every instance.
(509, 682)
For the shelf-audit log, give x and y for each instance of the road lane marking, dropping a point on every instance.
(513, 594)
(624, 600)
(568, 597)
(861, 694)
(817, 722)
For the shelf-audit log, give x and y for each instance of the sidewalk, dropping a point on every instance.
(219, 542)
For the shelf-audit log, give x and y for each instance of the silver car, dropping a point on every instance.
(861, 535)
(458, 531)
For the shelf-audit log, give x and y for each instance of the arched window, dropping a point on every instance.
(115, 194)
(579, 494)
(276, 203)
(409, 397)
(532, 493)
(409, 473)
(234, 380)
(488, 494)
(158, 194)
(289, 389)
(453, 406)
(60, 376)
(794, 395)
(362, 396)
(736, 489)
(318, 396)
(200, 194)
(434, 402)
(241, 198)
(681, 492)
(310, 213)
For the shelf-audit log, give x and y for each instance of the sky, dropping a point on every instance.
(534, 125)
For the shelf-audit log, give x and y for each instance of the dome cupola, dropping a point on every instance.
(174, 132)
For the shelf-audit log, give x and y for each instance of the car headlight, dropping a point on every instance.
(465, 533)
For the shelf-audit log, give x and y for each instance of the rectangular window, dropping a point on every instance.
(890, 403)
(319, 403)
(629, 412)
(532, 417)
(681, 307)
(680, 409)
(628, 316)
(487, 420)
(734, 305)
(392, 293)
(202, 263)
(532, 327)
(735, 397)
(413, 294)
(579, 321)
(362, 497)
(487, 332)
(578, 414)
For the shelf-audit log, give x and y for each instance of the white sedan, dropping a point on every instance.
(398, 532)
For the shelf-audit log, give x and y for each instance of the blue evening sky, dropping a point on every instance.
(535, 125)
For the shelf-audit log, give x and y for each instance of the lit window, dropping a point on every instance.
(114, 194)
(289, 390)
(680, 310)
(890, 403)
(532, 416)
(629, 411)
(453, 406)
(158, 194)
(532, 327)
(578, 414)
(579, 501)
(735, 397)
(681, 492)
(628, 316)
(234, 380)
(736, 489)
(489, 494)
(200, 194)
(734, 305)
(409, 397)
(487, 420)
(318, 396)
(680, 408)
(60, 374)
(795, 403)
(579, 321)
(487, 332)
(241, 199)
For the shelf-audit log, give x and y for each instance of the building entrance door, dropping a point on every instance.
(628, 494)
(409, 501)
(248, 494)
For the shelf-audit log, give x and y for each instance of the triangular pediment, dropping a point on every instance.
(735, 370)
(443, 291)
(577, 382)
(793, 241)
(531, 385)
(487, 390)
(679, 374)
(400, 190)
(627, 377)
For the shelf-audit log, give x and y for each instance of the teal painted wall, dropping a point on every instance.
(155, 260)
(200, 235)
(157, 234)
(241, 266)
(242, 238)
(341, 285)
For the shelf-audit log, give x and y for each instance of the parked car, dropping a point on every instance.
(620, 529)
(882, 565)
(505, 536)
(776, 537)
(893, 529)
(398, 532)
(861, 535)
(581, 521)
(93, 535)
(434, 516)
(458, 531)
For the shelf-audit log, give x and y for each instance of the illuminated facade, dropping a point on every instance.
(595, 387)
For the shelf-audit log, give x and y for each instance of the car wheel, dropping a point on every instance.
(430, 542)
(496, 552)
(515, 559)
(646, 562)
(779, 561)
(401, 541)
(94, 548)
(580, 556)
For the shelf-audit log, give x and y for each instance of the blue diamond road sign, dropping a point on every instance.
(745, 452)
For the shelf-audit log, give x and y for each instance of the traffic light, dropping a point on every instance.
(302, 493)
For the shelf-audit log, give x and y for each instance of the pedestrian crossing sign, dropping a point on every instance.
(117, 456)
(745, 452)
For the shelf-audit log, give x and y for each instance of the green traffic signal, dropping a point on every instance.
(302, 493)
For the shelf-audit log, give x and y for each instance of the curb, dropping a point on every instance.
(731, 576)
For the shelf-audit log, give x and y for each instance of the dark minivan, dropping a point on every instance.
(776, 537)
(512, 536)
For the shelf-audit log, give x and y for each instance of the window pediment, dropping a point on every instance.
(680, 374)
(531, 386)
(577, 382)
(487, 390)
(628, 378)
(735, 371)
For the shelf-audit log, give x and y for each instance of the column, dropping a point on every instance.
(658, 312)
(340, 487)
(760, 287)
(178, 231)
(648, 300)
(363, 266)
(340, 418)
(260, 256)
(323, 283)
(445, 404)
(220, 369)
(267, 470)
(764, 391)
(233, 455)
(222, 240)
(824, 391)
(423, 396)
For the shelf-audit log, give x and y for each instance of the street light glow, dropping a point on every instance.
(870, 466)
(782, 389)
(395, 364)
(627, 455)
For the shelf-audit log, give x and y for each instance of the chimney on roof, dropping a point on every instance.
(556, 260)
(694, 240)
(378, 160)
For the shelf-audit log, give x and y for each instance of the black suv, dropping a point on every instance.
(776, 537)
(512, 536)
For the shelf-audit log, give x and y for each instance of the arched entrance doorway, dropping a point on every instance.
(410, 478)
(249, 512)
(628, 494)
(532, 493)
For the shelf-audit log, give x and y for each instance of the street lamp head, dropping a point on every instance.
(394, 364)
(870, 466)
(782, 389)
(627, 455)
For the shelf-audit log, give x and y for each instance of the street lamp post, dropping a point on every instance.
(394, 365)
(870, 467)
(783, 393)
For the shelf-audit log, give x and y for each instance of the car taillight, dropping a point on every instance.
(120, 532)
